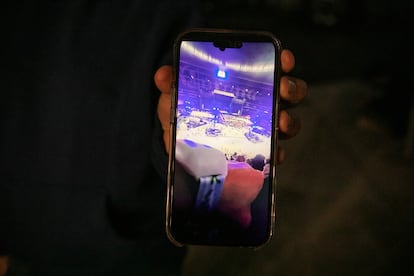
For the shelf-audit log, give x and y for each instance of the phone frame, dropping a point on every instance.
(207, 35)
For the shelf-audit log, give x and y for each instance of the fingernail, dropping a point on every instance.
(291, 87)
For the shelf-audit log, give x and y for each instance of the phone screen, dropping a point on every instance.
(222, 166)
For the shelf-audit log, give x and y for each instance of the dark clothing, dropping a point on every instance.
(82, 162)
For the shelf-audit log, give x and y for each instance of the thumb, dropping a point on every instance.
(163, 79)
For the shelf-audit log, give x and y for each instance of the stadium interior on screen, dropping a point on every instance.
(225, 98)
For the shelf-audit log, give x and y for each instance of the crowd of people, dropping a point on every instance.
(242, 96)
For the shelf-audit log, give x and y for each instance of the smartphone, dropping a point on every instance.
(224, 138)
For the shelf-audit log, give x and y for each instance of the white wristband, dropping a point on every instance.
(208, 166)
(199, 159)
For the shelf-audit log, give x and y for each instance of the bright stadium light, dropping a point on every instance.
(221, 74)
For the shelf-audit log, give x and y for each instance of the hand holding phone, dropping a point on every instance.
(224, 114)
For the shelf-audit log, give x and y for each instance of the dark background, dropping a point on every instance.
(344, 195)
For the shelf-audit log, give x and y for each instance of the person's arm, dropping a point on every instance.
(242, 184)
(241, 187)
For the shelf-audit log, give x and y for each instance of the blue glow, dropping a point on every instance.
(190, 143)
(193, 144)
(221, 74)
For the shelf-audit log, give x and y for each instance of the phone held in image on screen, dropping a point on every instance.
(224, 138)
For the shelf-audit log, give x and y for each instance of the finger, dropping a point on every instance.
(163, 78)
(292, 90)
(289, 124)
(287, 60)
